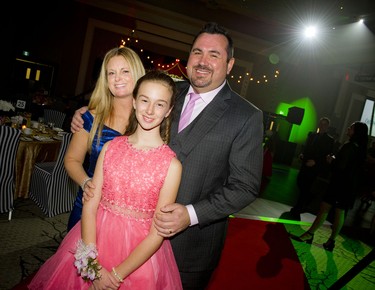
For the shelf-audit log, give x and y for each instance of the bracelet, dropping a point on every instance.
(85, 182)
(86, 261)
(117, 275)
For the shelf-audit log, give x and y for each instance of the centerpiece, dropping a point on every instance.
(6, 110)
(6, 106)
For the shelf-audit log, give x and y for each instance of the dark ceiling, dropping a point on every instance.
(279, 21)
(273, 20)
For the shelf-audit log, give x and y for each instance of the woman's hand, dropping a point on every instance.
(88, 193)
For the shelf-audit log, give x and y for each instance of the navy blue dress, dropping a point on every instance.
(107, 135)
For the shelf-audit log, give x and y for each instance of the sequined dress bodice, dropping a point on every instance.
(132, 182)
(133, 178)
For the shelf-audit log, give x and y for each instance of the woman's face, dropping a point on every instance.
(350, 131)
(120, 78)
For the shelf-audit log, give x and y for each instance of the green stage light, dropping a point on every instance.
(298, 133)
(284, 221)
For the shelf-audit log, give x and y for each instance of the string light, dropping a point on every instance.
(132, 39)
(129, 39)
(263, 80)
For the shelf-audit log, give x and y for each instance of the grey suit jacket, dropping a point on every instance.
(222, 157)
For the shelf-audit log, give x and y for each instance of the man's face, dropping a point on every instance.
(207, 65)
(323, 126)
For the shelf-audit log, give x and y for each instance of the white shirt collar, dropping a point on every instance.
(209, 96)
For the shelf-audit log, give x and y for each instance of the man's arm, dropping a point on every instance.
(243, 185)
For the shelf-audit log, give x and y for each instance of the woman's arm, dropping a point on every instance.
(153, 241)
(75, 156)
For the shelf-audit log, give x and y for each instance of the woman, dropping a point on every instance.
(118, 245)
(347, 169)
(109, 110)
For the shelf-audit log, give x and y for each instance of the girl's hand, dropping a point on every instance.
(107, 281)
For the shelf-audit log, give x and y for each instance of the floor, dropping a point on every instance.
(30, 237)
(323, 269)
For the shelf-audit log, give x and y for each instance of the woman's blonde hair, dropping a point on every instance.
(101, 99)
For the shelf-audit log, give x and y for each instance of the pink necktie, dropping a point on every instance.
(186, 114)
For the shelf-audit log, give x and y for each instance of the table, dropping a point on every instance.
(29, 153)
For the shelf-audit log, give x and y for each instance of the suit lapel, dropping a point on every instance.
(208, 118)
(177, 111)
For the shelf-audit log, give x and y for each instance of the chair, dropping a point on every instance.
(51, 187)
(9, 141)
(54, 116)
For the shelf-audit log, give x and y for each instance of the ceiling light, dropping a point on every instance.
(310, 32)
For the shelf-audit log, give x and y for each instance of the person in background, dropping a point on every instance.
(221, 154)
(371, 152)
(347, 171)
(107, 117)
(318, 145)
(336, 143)
(369, 179)
(116, 245)
(268, 153)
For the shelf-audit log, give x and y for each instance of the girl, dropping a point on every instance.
(116, 245)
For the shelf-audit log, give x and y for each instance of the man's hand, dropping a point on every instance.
(310, 163)
(77, 121)
(174, 218)
(330, 158)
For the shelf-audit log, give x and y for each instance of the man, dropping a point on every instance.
(318, 145)
(221, 153)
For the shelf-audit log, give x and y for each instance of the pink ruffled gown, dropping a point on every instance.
(132, 181)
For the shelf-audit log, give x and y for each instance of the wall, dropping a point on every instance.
(73, 36)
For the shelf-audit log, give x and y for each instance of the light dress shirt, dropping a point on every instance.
(199, 106)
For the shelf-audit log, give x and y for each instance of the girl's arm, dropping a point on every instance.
(90, 207)
(153, 241)
(88, 224)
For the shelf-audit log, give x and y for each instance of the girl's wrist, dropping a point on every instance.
(117, 275)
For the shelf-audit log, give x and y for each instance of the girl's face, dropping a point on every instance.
(152, 104)
(119, 76)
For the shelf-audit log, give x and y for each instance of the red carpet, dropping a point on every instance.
(258, 255)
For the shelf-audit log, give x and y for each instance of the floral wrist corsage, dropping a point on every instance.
(86, 261)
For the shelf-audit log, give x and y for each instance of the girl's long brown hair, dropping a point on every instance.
(157, 76)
